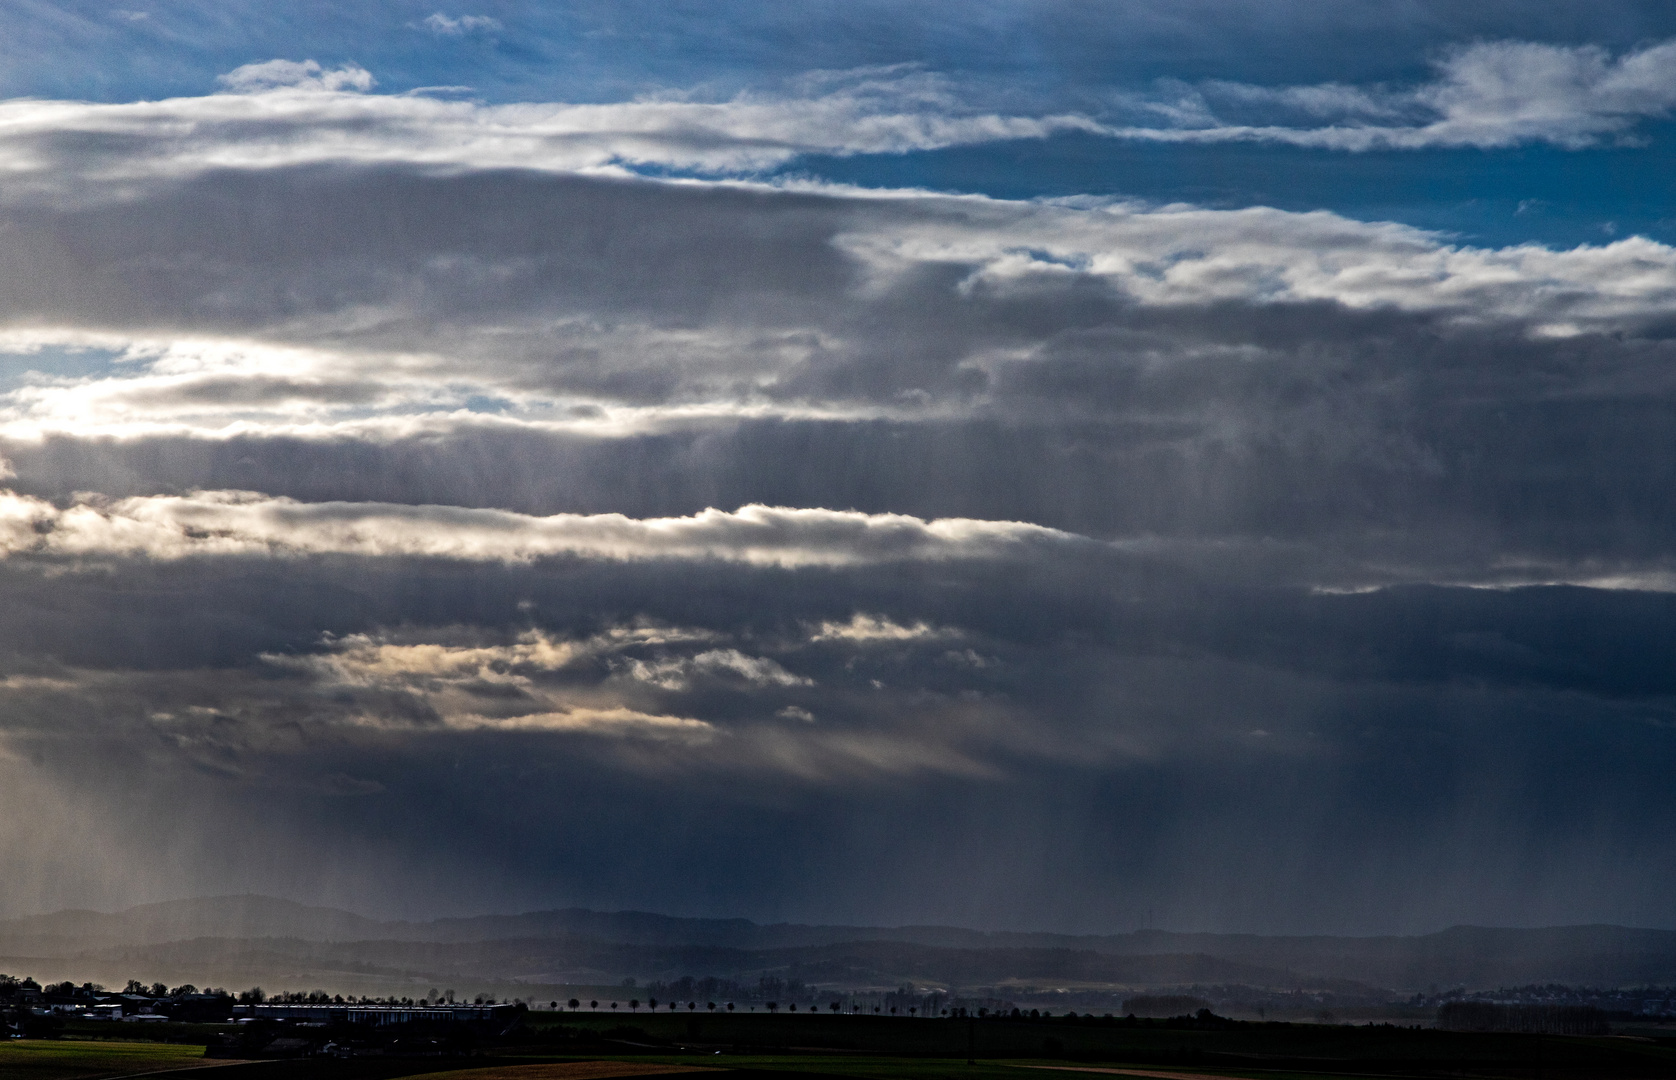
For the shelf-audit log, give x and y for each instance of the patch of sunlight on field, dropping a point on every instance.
(55, 1059)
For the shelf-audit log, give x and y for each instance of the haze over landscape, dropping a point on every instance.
(242, 941)
(1127, 493)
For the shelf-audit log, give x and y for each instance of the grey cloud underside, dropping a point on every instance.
(203, 616)
(1162, 709)
(242, 251)
(1440, 487)
(1134, 741)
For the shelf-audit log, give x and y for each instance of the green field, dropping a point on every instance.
(53, 1059)
(1222, 1046)
(805, 1046)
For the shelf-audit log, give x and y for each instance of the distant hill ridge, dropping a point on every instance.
(642, 941)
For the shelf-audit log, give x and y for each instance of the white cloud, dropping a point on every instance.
(1327, 100)
(378, 685)
(271, 75)
(479, 687)
(287, 112)
(863, 628)
(224, 523)
(1487, 95)
(1187, 256)
(360, 660)
(675, 673)
(1497, 94)
(284, 112)
(439, 23)
(618, 721)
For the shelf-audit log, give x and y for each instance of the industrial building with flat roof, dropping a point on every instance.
(378, 1015)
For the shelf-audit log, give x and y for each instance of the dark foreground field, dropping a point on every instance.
(806, 1047)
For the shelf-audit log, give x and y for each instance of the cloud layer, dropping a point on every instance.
(539, 498)
(1488, 95)
(288, 113)
(417, 305)
(243, 523)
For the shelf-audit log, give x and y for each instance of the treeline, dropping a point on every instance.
(711, 988)
(12, 986)
(1163, 1005)
(140, 994)
(1523, 1019)
(793, 994)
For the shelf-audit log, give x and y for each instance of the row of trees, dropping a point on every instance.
(320, 997)
(772, 1006)
(837, 1008)
(770, 992)
(1526, 1019)
(11, 986)
(634, 1005)
(767, 988)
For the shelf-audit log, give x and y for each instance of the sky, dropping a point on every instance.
(1029, 465)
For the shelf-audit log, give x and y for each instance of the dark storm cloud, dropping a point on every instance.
(1442, 455)
(1125, 745)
